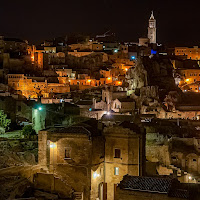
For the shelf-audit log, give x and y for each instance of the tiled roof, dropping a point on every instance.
(71, 129)
(179, 193)
(125, 100)
(168, 186)
(152, 184)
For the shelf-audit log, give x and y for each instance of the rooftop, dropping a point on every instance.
(168, 186)
(125, 100)
(117, 118)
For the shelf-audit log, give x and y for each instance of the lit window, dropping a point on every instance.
(116, 169)
(117, 153)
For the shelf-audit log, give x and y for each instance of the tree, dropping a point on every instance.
(28, 131)
(4, 122)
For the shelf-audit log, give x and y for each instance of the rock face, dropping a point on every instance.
(137, 77)
(155, 71)
(151, 81)
(13, 186)
(15, 152)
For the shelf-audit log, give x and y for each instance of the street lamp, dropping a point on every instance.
(52, 145)
(95, 175)
(40, 108)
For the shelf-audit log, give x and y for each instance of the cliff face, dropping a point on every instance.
(152, 80)
(137, 77)
(155, 71)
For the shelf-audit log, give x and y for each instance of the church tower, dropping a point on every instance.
(152, 29)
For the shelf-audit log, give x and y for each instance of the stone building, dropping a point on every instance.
(87, 46)
(123, 155)
(31, 88)
(188, 53)
(189, 79)
(90, 162)
(123, 105)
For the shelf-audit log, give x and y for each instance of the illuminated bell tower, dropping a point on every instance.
(152, 29)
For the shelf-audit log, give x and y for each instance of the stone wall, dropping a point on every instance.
(50, 183)
(158, 153)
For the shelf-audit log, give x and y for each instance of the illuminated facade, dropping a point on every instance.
(34, 89)
(190, 79)
(189, 53)
(152, 29)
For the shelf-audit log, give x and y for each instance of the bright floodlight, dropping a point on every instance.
(133, 57)
(52, 145)
(108, 113)
(95, 175)
(190, 177)
(40, 108)
(115, 50)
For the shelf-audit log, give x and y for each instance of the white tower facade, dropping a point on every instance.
(152, 29)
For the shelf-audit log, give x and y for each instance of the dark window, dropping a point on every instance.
(19, 108)
(117, 153)
(194, 160)
(67, 153)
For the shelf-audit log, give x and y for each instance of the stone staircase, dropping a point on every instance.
(183, 176)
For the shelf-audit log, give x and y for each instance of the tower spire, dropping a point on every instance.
(152, 16)
(152, 29)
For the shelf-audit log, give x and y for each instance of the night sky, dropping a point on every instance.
(177, 21)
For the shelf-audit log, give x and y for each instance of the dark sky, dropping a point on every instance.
(177, 21)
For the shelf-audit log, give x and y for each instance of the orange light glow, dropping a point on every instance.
(109, 78)
(32, 58)
(187, 80)
(119, 82)
(89, 80)
(126, 69)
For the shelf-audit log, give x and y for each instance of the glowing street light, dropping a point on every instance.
(119, 82)
(187, 80)
(32, 58)
(95, 175)
(53, 145)
(40, 108)
(133, 57)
